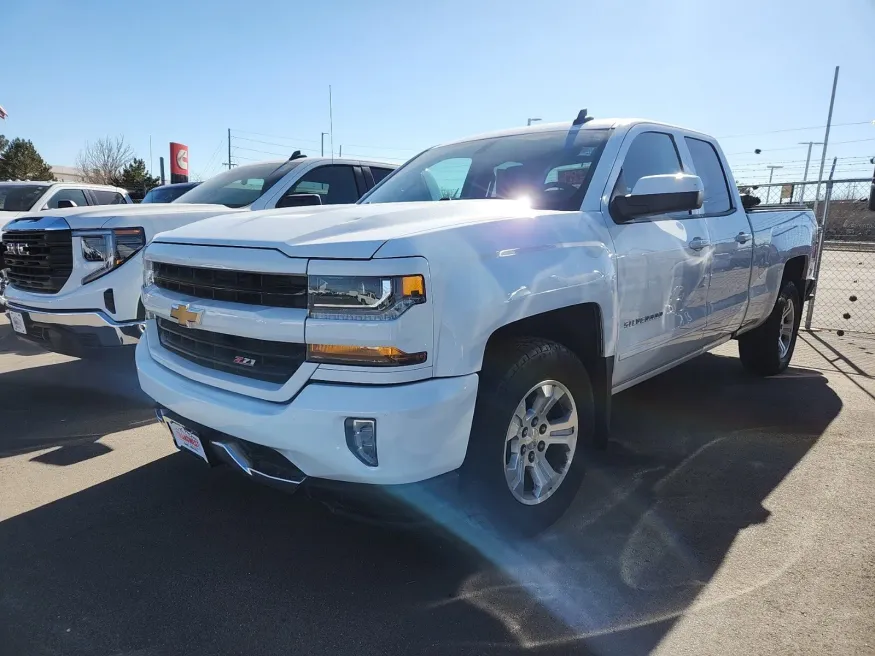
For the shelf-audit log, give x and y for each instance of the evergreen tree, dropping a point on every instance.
(19, 160)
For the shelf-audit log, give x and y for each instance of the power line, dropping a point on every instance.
(276, 136)
(206, 169)
(255, 150)
(293, 139)
(771, 150)
(813, 127)
(383, 147)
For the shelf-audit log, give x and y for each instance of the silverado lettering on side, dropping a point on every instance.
(473, 315)
(75, 273)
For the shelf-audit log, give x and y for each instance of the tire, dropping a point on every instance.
(517, 374)
(768, 349)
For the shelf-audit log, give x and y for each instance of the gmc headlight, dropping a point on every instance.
(148, 272)
(110, 247)
(364, 298)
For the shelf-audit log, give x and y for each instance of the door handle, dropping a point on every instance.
(742, 237)
(698, 243)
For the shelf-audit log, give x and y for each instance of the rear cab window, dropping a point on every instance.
(379, 173)
(106, 197)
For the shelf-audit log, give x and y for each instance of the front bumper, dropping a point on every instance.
(422, 428)
(75, 332)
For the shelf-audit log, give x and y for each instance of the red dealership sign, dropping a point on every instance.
(178, 162)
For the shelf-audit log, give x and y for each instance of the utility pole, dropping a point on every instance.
(331, 122)
(832, 100)
(229, 149)
(807, 162)
(872, 189)
(323, 143)
(771, 168)
(529, 121)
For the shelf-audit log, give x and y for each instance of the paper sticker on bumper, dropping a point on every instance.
(17, 320)
(187, 439)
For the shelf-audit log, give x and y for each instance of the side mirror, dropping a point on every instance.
(66, 204)
(300, 200)
(660, 194)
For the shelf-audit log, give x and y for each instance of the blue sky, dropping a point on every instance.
(406, 75)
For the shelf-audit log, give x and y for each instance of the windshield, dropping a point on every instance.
(240, 186)
(550, 169)
(19, 198)
(166, 194)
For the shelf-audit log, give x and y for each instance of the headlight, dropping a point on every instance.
(148, 272)
(364, 298)
(111, 247)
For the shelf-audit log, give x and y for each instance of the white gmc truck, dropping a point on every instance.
(75, 272)
(472, 315)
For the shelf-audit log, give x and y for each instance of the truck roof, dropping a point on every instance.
(593, 124)
(50, 183)
(329, 160)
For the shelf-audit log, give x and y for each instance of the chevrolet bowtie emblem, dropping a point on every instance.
(186, 317)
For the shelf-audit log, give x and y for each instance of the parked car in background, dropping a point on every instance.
(472, 316)
(20, 198)
(75, 275)
(168, 193)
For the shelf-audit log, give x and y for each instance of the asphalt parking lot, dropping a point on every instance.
(729, 515)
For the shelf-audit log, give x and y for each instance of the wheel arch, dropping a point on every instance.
(580, 328)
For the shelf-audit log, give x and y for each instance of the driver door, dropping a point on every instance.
(663, 264)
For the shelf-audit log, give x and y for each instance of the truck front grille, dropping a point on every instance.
(273, 362)
(39, 260)
(272, 290)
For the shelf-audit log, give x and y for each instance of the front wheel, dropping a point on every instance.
(767, 350)
(533, 421)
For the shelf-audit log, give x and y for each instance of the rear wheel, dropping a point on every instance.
(767, 350)
(532, 425)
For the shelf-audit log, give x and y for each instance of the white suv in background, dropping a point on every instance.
(26, 197)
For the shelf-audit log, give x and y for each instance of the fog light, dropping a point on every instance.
(361, 438)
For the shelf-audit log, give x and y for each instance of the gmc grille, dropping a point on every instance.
(272, 362)
(38, 260)
(272, 290)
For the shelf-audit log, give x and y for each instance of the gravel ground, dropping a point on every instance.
(729, 515)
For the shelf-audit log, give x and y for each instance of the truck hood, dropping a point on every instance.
(110, 216)
(6, 217)
(341, 231)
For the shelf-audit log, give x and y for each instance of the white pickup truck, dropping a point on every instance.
(75, 273)
(472, 315)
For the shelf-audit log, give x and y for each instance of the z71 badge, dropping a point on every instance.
(246, 362)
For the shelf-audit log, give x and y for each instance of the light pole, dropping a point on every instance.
(771, 168)
(807, 162)
(531, 120)
(323, 143)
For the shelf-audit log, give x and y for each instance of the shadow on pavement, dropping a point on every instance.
(176, 558)
(70, 404)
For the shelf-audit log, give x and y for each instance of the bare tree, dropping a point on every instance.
(102, 161)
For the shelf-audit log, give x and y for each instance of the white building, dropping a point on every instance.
(66, 174)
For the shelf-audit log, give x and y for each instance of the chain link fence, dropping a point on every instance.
(845, 296)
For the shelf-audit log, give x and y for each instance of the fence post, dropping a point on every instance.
(820, 242)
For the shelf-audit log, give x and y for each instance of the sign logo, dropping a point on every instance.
(182, 159)
(186, 317)
(17, 248)
(246, 362)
